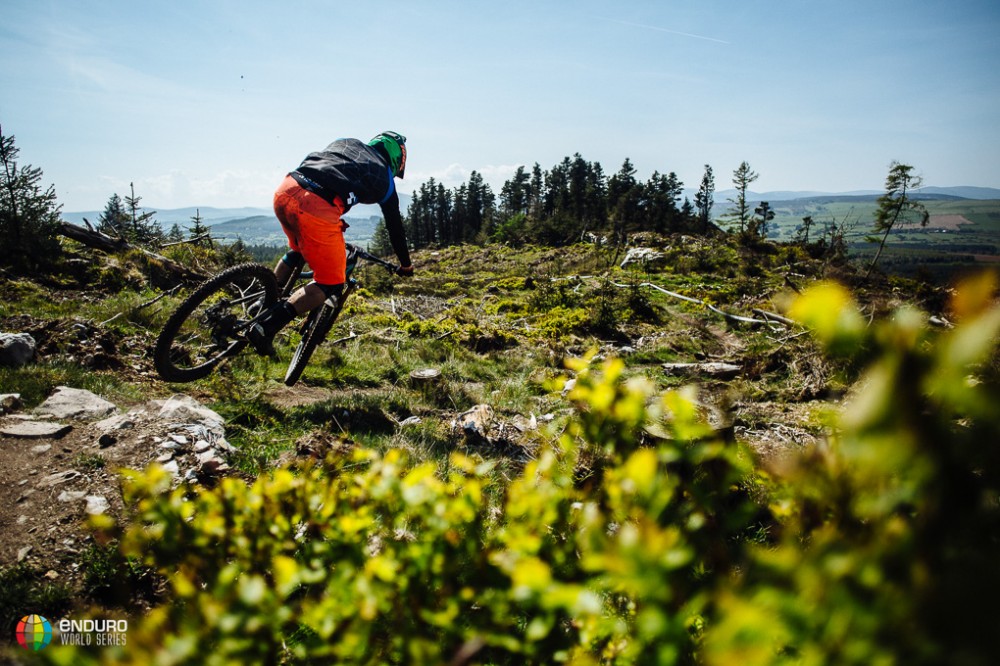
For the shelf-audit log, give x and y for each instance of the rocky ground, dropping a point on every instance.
(59, 463)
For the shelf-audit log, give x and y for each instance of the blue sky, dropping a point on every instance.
(210, 103)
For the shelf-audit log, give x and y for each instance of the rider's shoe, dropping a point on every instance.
(261, 334)
(261, 342)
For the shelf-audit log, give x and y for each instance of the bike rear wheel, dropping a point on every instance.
(317, 326)
(209, 325)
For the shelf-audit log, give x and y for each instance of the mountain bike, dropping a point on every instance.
(210, 325)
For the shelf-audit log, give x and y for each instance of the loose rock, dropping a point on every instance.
(58, 478)
(72, 403)
(96, 505)
(16, 349)
(9, 402)
(35, 430)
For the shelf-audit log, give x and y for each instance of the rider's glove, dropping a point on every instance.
(405, 271)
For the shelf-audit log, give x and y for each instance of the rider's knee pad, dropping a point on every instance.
(330, 290)
(293, 258)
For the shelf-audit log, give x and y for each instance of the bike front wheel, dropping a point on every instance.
(209, 325)
(317, 326)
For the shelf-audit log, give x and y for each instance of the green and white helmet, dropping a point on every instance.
(395, 146)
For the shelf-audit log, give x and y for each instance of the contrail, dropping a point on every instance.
(672, 32)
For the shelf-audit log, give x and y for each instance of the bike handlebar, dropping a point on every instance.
(367, 256)
(362, 254)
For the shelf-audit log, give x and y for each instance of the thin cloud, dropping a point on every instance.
(667, 30)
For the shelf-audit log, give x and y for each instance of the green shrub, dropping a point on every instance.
(891, 532)
(635, 536)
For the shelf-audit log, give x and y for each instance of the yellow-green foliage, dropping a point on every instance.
(630, 539)
(892, 531)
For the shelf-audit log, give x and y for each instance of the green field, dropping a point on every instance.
(961, 233)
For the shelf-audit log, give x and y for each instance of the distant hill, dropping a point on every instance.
(964, 192)
(265, 229)
(934, 193)
(255, 226)
(258, 226)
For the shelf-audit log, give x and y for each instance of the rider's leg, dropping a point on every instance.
(307, 298)
(261, 335)
(313, 226)
(283, 268)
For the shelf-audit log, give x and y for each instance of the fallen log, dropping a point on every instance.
(93, 238)
(712, 369)
(163, 272)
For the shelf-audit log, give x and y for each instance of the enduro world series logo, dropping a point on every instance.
(34, 632)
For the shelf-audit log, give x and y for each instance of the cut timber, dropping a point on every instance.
(714, 370)
(427, 381)
(171, 271)
(425, 375)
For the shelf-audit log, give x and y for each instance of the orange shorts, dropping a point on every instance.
(314, 228)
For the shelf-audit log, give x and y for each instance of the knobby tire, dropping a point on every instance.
(316, 329)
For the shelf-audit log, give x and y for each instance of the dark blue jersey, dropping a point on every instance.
(352, 169)
(356, 173)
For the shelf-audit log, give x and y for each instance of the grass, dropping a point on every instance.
(497, 323)
(36, 382)
(88, 462)
(113, 580)
(24, 589)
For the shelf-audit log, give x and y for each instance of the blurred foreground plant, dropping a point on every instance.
(891, 532)
(629, 539)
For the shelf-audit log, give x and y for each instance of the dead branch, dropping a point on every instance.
(174, 272)
(776, 317)
(727, 315)
(189, 240)
(108, 321)
(169, 292)
(345, 338)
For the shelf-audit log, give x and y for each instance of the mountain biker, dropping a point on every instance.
(310, 202)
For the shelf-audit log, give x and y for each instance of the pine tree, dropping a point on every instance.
(443, 229)
(199, 230)
(758, 225)
(704, 199)
(114, 220)
(380, 243)
(536, 194)
(624, 200)
(742, 178)
(659, 199)
(515, 194)
(143, 229)
(896, 205)
(802, 232)
(176, 234)
(597, 196)
(29, 215)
